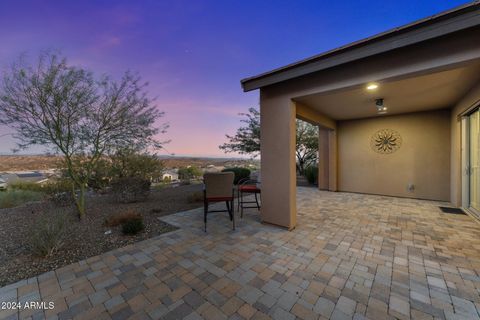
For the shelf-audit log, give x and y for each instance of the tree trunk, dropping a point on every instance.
(80, 200)
(301, 166)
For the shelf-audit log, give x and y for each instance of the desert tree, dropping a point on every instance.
(307, 145)
(247, 140)
(70, 112)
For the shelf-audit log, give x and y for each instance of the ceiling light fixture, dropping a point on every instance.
(381, 109)
(372, 86)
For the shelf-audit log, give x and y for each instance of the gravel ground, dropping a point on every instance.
(84, 238)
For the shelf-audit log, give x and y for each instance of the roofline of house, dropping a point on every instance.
(459, 18)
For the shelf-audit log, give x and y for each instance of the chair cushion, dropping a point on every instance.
(249, 188)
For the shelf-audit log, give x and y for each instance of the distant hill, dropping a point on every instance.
(28, 162)
(44, 162)
(176, 162)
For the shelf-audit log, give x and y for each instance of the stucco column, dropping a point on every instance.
(323, 159)
(277, 120)
(327, 159)
(332, 166)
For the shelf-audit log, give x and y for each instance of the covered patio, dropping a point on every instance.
(397, 112)
(351, 256)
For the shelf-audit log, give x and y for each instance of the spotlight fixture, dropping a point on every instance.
(381, 109)
(372, 86)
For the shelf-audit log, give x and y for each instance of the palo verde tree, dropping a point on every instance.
(67, 110)
(247, 140)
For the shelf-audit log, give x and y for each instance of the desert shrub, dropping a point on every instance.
(15, 197)
(188, 173)
(62, 199)
(59, 185)
(101, 175)
(48, 234)
(59, 191)
(49, 188)
(131, 189)
(131, 163)
(160, 186)
(125, 163)
(240, 173)
(26, 186)
(195, 197)
(132, 226)
(311, 173)
(117, 219)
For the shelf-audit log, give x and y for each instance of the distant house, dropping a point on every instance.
(170, 176)
(23, 176)
(213, 168)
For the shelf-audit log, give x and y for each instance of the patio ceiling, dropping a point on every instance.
(432, 91)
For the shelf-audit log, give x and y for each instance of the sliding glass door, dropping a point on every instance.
(474, 160)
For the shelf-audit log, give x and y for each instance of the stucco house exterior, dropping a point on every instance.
(398, 116)
(170, 175)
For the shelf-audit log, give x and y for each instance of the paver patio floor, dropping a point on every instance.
(351, 256)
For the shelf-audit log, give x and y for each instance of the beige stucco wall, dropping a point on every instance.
(278, 110)
(472, 97)
(423, 159)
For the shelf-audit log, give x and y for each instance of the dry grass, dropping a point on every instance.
(15, 198)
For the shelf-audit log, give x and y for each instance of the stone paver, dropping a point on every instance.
(351, 256)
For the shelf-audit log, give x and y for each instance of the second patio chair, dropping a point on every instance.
(218, 187)
(248, 186)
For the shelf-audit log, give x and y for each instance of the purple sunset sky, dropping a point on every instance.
(194, 53)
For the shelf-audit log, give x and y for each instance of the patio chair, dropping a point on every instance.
(248, 186)
(218, 187)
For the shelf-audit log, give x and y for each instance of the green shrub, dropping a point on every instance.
(48, 234)
(131, 189)
(15, 198)
(240, 173)
(26, 186)
(311, 173)
(133, 226)
(187, 173)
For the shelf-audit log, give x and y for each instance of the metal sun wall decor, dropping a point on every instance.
(386, 141)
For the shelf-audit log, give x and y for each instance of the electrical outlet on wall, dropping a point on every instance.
(410, 187)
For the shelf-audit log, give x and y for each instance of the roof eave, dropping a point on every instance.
(438, 25)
